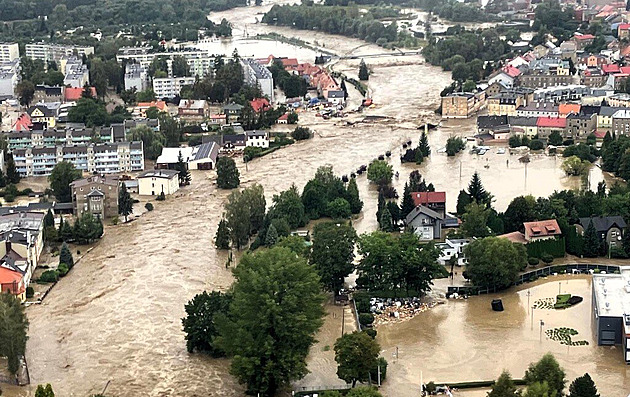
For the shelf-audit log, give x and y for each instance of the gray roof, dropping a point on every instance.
(207, 150)
(336, 94)
(167, 174)
(233, 106)
(102, 179)
(491, 121)
(604, 223)
(522, 121)
(256, 133)
(421, 209)
(608, 111)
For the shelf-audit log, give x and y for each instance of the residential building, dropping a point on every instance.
(488, 124)
(504, 78)
(566, 108)
(544, 80)
(583, 40)
(592, 60)
(621, 100)
(610, 229)
(621, 122)
(495, 88)
(96, 194)
(565, 93)
(42, 114)
(155, 182)
(548, 125)
(190, 109)
(140, 110)
(435, 201)
(256, 75)
(593, 77)
(25, 231)
(9, 52)
(16, 270)
(104, 158)
(611, 299)
(232, 111)
(260, 104)
(425, 222)
(9, 77)
(460, 105)
(453, 248)
(538, 109)
(76, 74)
(200, 157)
(170, 87)
(605, 117)
(580, 126)
(505, 104)
(228, 142)
(257, 138)
(55, 52)
(541, 230)
(337, 97)
(136, 77)
(523, 126)
(200, 62)
(45, 93)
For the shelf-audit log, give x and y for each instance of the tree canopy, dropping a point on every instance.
(494, 262)
(60, 178)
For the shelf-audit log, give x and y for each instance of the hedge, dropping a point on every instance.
(553, 247)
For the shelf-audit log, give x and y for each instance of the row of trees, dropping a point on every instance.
(544, 379)
(343, 20)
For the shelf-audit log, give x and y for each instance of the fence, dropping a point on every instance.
(305, 391)
(356, 315)
(535, 274)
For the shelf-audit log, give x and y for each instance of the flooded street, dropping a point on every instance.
(467, 341)
(116, 316)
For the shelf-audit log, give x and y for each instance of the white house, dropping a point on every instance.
(454, 247)
(257, 138)
(201, 157)
(154, 182)
(503, 78)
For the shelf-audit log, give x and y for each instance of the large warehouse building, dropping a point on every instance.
(611, 309)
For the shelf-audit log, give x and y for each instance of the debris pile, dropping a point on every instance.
(398, 309)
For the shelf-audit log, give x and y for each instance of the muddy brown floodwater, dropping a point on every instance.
(467, 341)
(116, 316)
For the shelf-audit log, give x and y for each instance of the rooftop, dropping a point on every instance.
(420, 198)
(168, 174)
(612, 293)
(545, 228)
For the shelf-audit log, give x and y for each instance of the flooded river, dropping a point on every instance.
(116, 316)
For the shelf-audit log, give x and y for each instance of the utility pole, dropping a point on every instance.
(528, 295)
(532, 317)
(542, 323)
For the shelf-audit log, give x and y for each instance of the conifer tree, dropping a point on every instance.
(222, 238)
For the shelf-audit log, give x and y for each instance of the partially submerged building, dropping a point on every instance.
(611, 310)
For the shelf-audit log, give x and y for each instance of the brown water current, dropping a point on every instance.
(116, 316)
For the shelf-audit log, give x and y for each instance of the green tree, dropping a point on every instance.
(145, 96)
(380, 172)
(503, 387)
(454, 145)
(182, 168)
(44, 391)
(200, 321)
(573, 166)
(364, 73)
(65, 256)
(386, 222)
(25, 90)
(49, 219)
(547, 370)
(254, 196)
(152, 141)
(271, 238)
(180, 67)
(475, 221)
(356, 354)
(333, 253)
(87, 228)
(520, 210)
(339, 208)
(477, 192)
(301, 133)
(275, 313)
(494, 262)
(292, 118)
(296, 244)
(463, 199)
(13, 328)
(592, 246)
(227, 173)
(352, 191)
(583, 386)
(13, 176)
(222, 238)
(288, 204)
(237, 215)
(125, 202)
(540, 389)
(152, 113)
(555, 139)
(60, 178)
(407, 204)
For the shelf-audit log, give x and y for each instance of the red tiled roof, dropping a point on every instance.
(259, 104)
(289, 62)
(584, 37)
(551, 122)
(624, 26)
(7, 278)
(515, 237)
(624, 69)
(610, 68)
(75, 93)
(566, 108)
(423, 198)
(284, 117)
(544, 228)
(512, 71)
(23, 123)
(160, 105)
(600, 134)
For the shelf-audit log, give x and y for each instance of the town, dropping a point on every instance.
(315, 198)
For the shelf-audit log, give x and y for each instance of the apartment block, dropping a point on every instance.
(136, 76)
(170, 87)
(255, 74)
(76, 74)
(105, 158)
(9, 77)
(9, 52)
(55, 52)
(200, 62)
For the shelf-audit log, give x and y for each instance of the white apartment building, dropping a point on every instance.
(257, 138)
(255, 74)
(9, 77)
(9, 52)
(170, 87)
(106, 158)
(200, 62)
(55, 52)
(136, 76)
(76, 74)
